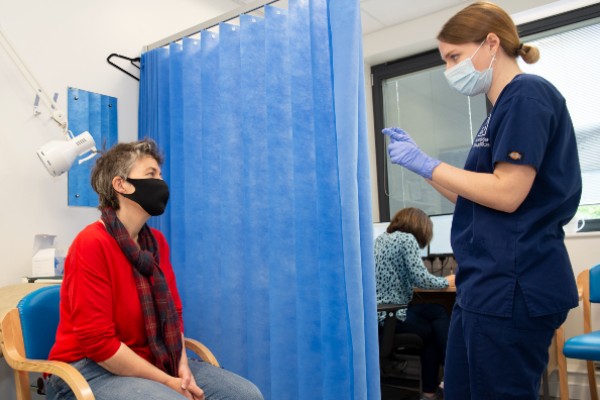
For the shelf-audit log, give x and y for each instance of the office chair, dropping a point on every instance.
(587, 346)
(399, 354)
(28, 332)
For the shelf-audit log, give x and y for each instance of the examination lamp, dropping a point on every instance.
(58, 155)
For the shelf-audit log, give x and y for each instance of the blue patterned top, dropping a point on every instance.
(399, 268)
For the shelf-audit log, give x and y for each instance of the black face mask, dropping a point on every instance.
(151, 194)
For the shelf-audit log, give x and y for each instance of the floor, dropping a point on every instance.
(399, 394)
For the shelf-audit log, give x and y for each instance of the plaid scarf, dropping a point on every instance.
(160, 316)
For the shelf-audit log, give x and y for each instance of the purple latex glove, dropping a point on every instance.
(405, 152)
(397, 134)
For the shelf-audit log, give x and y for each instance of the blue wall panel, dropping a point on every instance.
(96, 114)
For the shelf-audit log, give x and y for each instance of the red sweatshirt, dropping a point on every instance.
(99, 304)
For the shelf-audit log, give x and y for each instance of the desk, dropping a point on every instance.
(445, 297)
(449, 289)
(11, 295)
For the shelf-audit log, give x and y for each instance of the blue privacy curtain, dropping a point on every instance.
(263, 128)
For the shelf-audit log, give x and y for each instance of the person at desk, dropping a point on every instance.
(398, 269)
(521, 183)
(120, 312)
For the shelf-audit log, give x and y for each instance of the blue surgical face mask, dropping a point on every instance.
(464, 78)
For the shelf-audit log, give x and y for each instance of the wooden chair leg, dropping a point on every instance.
(22, 385)
(561, 361)
(592, 380)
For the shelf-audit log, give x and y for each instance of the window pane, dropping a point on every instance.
(571, 61)
(440, 120)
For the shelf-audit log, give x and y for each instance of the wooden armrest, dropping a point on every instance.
(63, 370)
(201, 350)
(12, 349)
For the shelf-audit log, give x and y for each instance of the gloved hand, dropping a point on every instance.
(397, 134)
(405, 152)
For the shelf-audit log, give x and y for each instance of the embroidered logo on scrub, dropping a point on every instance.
(515, 155)
(482, 140)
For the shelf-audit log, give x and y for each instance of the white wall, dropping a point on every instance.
(65, 43)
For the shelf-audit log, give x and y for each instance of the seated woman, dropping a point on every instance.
(120, 312)
(398, 269)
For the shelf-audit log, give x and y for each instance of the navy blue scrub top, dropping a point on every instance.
(495, 250)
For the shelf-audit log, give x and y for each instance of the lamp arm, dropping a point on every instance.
(56, 113)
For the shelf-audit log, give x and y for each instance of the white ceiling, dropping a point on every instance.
(379, 14)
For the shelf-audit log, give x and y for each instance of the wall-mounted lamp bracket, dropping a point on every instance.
(57, 156)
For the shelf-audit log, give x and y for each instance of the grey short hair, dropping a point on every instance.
(118, 161)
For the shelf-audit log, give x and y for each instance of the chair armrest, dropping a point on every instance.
(201, 350)
(65, 371)
(13, 352)
(390, 308)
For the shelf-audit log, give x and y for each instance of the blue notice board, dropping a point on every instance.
(97, 114)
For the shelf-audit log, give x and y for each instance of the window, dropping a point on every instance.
(570, 60)
(412, 93)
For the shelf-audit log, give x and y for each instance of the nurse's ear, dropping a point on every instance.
(492, 43)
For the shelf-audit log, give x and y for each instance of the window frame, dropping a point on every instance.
(430, 59)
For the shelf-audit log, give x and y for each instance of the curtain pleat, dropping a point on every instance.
(232, 275)
(355, 190)
(263, 129)
(254, 115)
(306, 217)
(208, 320)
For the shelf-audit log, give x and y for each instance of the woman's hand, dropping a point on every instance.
(188, 382)
(405, 152)
(190, 390)
(186, 375)
(450, 279)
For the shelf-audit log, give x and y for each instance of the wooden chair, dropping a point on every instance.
(586, 346)
(28, 333)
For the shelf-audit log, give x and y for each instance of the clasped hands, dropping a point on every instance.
(405, 152)
(186, 385)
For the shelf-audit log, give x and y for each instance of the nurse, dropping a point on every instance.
(521, 183)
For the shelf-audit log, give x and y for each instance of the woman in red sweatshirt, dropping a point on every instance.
(120, 312)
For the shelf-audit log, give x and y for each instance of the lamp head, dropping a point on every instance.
(58, 155)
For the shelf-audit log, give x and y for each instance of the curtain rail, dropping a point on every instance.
(210, 23)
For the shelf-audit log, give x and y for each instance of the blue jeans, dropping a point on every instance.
(217, 383)
(495, 358)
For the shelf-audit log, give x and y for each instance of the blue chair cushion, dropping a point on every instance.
(595, 284)
(39, 319)
(583, 347)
